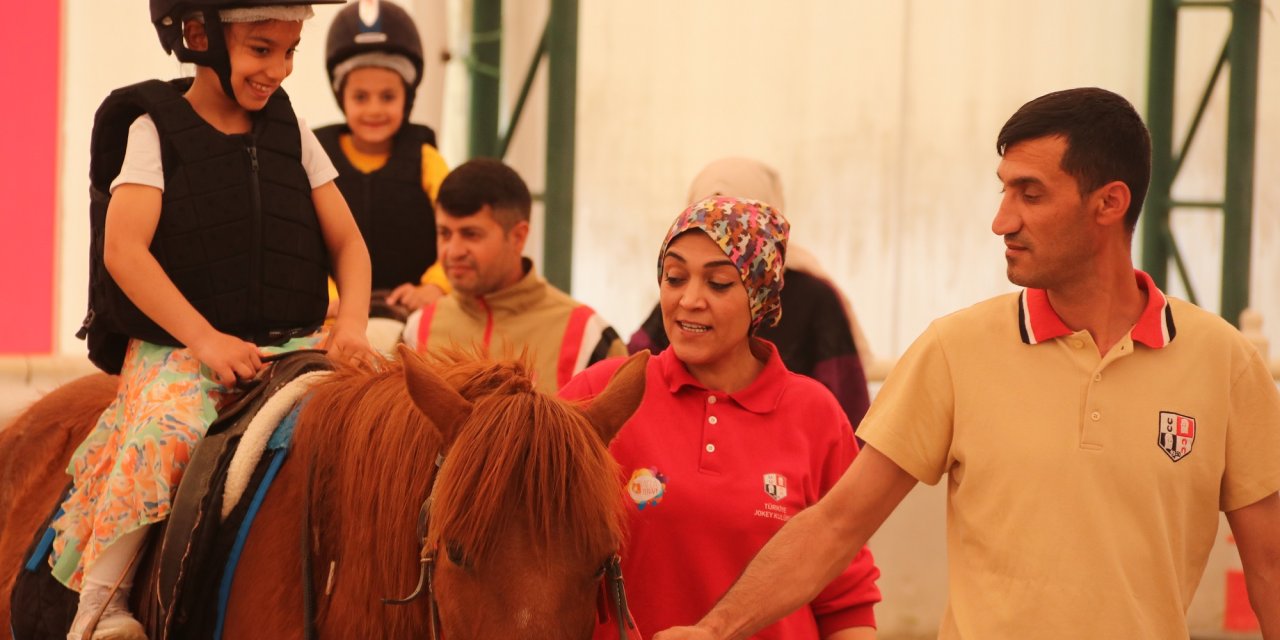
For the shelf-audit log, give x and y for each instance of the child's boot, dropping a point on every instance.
(116, 623)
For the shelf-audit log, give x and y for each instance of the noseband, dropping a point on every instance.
(612, 588)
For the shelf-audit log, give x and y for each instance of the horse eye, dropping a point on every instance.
(454, 551)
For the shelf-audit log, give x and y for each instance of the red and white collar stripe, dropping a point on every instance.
(1038, 322)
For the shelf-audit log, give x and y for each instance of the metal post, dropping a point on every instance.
(1160, 84)
(562, 83)
(509, 133)
(1242, 110)
(485, 64)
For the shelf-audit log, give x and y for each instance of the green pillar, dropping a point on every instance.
(1242, 108)
(1162, 58)
(485, 64)
(1240, 54)
(562, 83)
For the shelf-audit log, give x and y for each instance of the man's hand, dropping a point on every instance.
(414, 297)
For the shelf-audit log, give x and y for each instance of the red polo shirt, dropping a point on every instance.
(713, 476)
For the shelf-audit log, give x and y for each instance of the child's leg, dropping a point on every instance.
(125, 473)
(105, 593)
(116, 563)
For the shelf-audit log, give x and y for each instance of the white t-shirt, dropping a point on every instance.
(142, 157)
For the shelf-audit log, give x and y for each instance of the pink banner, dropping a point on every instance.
(30, 46)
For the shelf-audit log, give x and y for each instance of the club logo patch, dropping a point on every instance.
(775, 484)
(1177, 434)
(647, 487)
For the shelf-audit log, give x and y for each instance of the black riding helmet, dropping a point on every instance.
(167, 16)
(381, 27)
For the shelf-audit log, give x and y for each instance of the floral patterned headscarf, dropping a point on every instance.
(754, 237)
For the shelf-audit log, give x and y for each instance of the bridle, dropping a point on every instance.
(612, 586)
(613, 590)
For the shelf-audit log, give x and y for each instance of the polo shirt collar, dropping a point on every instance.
(1038, 322)
(761, 396)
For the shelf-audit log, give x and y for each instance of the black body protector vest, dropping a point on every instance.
(393, 212)
(238, 233)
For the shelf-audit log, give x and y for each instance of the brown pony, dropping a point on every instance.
(526, 508)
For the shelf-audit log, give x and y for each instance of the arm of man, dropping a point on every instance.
(132, 218)
(807, 553)
(1256, 528)
(351, 271)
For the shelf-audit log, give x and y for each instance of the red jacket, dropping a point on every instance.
(713, 476)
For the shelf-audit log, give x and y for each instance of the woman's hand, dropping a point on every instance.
(229, 358)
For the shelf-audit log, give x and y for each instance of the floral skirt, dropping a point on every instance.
(126, 472)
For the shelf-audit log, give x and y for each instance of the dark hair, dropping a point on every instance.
(1106, 139)
(485, 181)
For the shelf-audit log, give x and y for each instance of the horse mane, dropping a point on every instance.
(522, 452)
(370, 457)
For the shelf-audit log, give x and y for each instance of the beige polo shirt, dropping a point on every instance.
(1083, 490)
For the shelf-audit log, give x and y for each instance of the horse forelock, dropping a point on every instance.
(526, 462)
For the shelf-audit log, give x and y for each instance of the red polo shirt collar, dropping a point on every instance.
(1038, 322)
(761, 396)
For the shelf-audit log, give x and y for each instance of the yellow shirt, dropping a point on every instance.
(1083, 490)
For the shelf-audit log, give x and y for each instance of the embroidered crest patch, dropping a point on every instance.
(1177, 434)
(775, 484)
(647, 487)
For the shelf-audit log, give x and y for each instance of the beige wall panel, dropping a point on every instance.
(666, 87)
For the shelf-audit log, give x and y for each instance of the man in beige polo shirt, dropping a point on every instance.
(1090, 428)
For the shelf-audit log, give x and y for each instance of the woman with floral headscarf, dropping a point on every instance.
(727, 444)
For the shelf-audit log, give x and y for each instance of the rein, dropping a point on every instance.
(615, 591)
(426, 561)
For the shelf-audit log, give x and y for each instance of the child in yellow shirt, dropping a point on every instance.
(389, 169)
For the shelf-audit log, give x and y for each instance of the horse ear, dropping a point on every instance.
(620, 398)
(433, 396)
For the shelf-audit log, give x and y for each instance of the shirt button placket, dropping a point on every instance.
(711, 420)
(709, 437)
